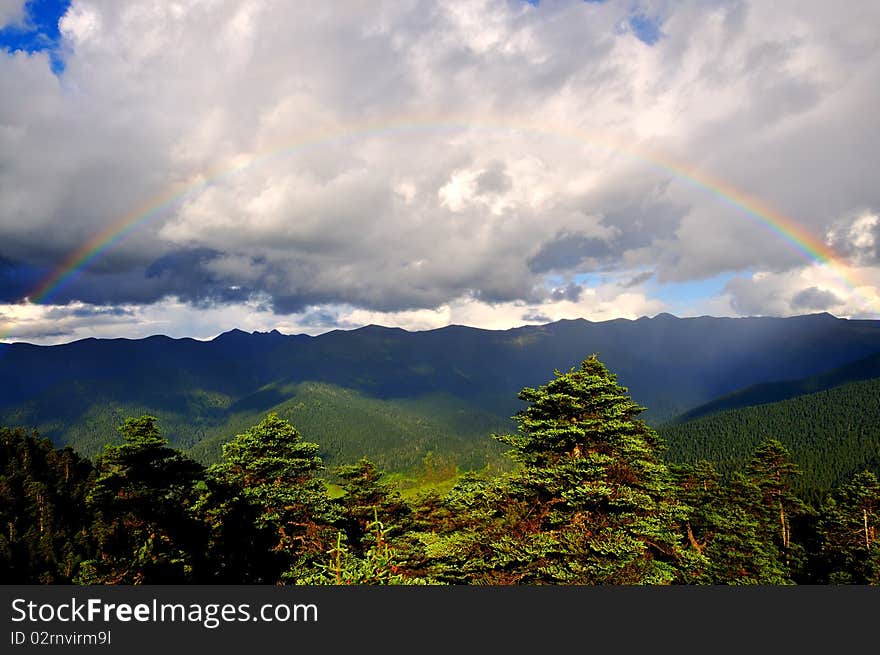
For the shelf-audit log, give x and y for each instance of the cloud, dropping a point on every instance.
(11, 12)
(536, 317)
(815, 298)
(638, 279)
(815, 288)
(571, 291)
(54, 324)
(493, 180)
(566, 251)
(397, 159)
(857, 236)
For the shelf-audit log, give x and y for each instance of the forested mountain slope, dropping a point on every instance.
(833, 434)
(202, 391)
(768, 392)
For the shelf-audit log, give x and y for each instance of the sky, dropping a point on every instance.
(192, 166)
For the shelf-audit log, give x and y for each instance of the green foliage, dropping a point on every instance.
(43, 517)
(396, 434)
(592, 504)
(741, 526)
(725, 530)
(377, 565)
(367, 503)
(274, 469)
(849, 533)
(588, 500)
(832, 434)
(142, 501)
(239, 544)
(773, 472)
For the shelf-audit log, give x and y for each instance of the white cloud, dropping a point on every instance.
(11, 12)
(410, 160)
(851, 291)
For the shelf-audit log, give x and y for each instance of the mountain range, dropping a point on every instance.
(417, 399)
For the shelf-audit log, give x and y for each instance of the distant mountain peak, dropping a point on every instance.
(373, 327)
(234, 333)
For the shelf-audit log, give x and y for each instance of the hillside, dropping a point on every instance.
(832, 433)
(863, 369)
(396, 392)
(397, 434)
(401, 435)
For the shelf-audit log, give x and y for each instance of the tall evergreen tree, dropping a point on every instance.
(366, 501)
(726, 531)
(142, 501)
(593, 503)
(849, 532)
(274, 470)
(43, 517)
(772, 470)
(240, 549)
(463, 537)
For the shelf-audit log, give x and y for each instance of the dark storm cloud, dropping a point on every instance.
(566, 251)
(187, 275)
(183, 274)
(285, 303)
(814, 298)
(778, 295)
(88, 312)
(749, 297)
(571, 292)
(186, 263)
(18, 279)
(637, 214)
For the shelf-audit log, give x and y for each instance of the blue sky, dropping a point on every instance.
(39, 30)
(646, 28)
(685, 298)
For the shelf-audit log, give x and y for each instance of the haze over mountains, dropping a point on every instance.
(398, 395)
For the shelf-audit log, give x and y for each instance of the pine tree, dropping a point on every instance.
(274, 469)
(452, 537)
(142, 501)
(849, 532)
(366, 501)
(379, 564)
(593, 504)
(725, 530)
(772, 470)
(240, 550)
(43, 517)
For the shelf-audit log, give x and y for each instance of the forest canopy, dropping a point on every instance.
(589, 498)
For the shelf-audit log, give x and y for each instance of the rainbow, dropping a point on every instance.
(753, 208)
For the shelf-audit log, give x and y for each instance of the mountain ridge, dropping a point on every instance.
(275, 332)
(669, 364)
